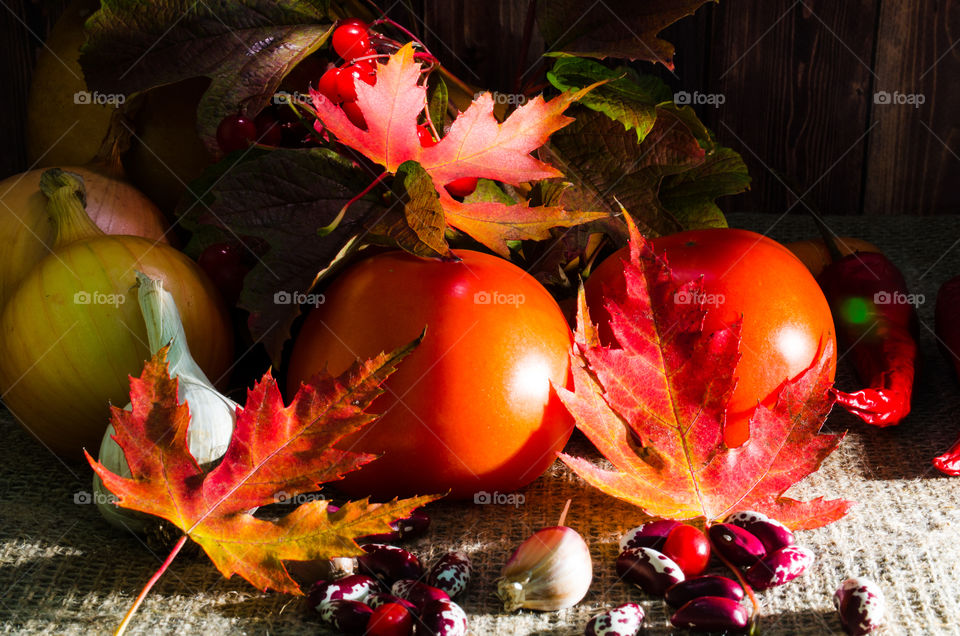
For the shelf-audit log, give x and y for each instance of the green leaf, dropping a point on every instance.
(437, 101)
(690, 195)
(613, 28)
(281, 200)
(489, 192)
(245, 48)
(416, 221)
(627, 96)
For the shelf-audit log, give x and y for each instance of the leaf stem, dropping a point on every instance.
(146, 588)
(343, 211)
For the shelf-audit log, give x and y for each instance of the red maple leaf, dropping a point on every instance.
(275, 449)
(654, 408)
(477, 145)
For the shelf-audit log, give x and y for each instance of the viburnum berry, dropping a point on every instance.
(327, 85)
(425, 136)
(354, 114)
(688, 548)
(347, 80)
(351, 39)
(269, 132)
(226, 264)
(462, 187)
(236, 132)
(391, 619)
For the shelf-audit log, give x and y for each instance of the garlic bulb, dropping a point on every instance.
(549, 571)
(212, 415)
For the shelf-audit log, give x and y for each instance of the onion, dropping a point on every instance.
(27, 233)
(72, 332)
(165, 152)
(61, 129)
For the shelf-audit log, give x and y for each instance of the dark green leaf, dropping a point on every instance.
(437, 101)
(613, 28)
(246, 48)
(281, 200)
(628, 97)
(667, 183)
(690, 195)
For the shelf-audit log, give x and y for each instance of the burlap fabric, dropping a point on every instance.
(64, 571)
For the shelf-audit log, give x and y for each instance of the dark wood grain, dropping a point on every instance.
(481, 41)
(796, 77)
(913, 164)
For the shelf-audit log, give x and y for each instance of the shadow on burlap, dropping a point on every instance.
(63, 570)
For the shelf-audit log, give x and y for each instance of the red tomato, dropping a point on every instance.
(688, 548)
(786, 319)
(471, 409)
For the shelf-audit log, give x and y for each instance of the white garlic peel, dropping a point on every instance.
(212, 415)
(551, 570)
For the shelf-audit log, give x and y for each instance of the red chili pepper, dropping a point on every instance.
(948, 332)
(876, 324)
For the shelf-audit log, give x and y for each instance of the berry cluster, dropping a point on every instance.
(274, 126)
(352, 41)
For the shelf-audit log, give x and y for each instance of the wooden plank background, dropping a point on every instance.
(798, 80)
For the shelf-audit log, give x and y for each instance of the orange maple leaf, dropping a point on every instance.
(477, 145)
(654, 408)
(274, 449)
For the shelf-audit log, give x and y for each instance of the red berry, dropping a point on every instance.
(347, 80)
(390, 619)
(688, 548)
(226, 264)
(425, 136)
(236, 132)
(327, 85)
(350, 39)
(462, 187)
(269, 132)
(354, 114)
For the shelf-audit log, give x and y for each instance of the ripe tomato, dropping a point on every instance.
(471, 409)
(786, 319)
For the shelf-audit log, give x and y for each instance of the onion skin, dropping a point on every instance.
(27, 233)
(62, 363)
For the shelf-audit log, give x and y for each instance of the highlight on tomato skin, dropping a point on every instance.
(786, 318)
(472, 408)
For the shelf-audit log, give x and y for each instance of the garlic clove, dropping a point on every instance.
(212, 415)
(549, 571)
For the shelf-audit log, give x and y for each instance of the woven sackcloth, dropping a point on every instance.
(64, 571)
